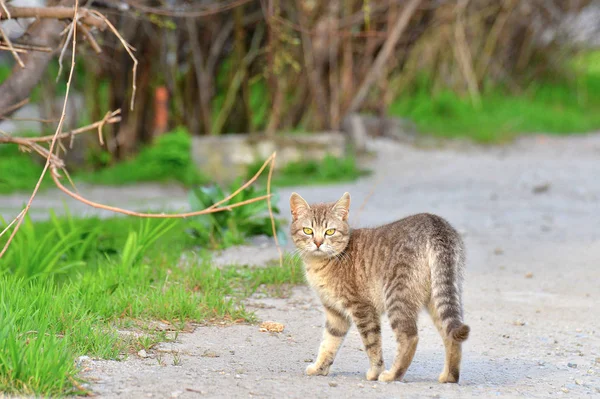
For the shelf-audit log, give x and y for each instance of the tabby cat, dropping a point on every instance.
(399, 268)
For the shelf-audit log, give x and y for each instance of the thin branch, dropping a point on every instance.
(189, 13)
(19, 216)
(93, 204)
(14, 107)
(11, 48)
(377, 68)
(90, 38)
(83, 14)
(62, 51)
(54, 139)
(5, 9)
(113, 118)
(128, 47)
(273, 227)
(25, 47)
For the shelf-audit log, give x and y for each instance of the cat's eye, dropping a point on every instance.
(307, 230)
(329, 232)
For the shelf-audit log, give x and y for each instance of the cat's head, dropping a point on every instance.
(320, 230)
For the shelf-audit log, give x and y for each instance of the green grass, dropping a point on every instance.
(330, 170)
(19, 171)
(555, 107)
(67, 284)
(168, 159)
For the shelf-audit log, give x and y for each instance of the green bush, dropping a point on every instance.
(234, 226)
(169, 158)
(330, 170)
(549, 106)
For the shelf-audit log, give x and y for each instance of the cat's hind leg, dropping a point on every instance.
(451, 371)
(336, 328)
(402, 312)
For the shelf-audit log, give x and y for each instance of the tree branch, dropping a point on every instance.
(84, 15)
(388, 48)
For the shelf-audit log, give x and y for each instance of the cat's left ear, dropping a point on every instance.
(342, 207)
(298, 205)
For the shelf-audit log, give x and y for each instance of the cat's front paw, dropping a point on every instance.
(387, 376)
(313, 369)
(373, 373)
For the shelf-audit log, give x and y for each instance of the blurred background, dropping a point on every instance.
(483, 111)
(481, 70)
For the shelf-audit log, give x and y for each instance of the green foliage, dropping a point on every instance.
(169, 158)
(234, 226)
(18, 171)
(126, 272)
(330, 170)
(558, 107)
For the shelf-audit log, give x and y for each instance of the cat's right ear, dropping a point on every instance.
(298, 205)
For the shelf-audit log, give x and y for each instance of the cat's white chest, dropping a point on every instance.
(324, 288)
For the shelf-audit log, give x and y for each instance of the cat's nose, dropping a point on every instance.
(318, 243)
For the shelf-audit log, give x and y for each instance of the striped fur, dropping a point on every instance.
(398, 269)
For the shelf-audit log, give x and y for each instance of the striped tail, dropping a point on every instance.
(446, 288)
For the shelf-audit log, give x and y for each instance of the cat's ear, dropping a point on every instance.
(298, 205)
(342, 207)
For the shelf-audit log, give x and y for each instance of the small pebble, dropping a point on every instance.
(237, 376)
(498, 251)
(142, 353)
(308, 360)
(572, 365)
(209, 353)
(333, 384)
(528, 275)
(361, 386)
(565, 390)
(578, 382)
(598, 360)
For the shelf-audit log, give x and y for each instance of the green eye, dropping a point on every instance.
(307, 230)
(329, 232)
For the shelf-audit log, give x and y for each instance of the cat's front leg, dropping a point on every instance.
(368, 323)
(336, 327)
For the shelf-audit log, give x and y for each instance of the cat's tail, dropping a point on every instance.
(447, 265)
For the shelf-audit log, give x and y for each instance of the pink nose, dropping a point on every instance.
(318, 243)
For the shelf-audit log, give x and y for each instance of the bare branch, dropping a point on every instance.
(6, 11)
(129, 48)
(83, 14)
(11, 48)
(376, 69)
(113, 117)
(54, 139)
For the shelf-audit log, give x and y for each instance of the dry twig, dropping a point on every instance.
(128, 47)
(5, 10)
(54, 139)
(85, 15)
(11, 48)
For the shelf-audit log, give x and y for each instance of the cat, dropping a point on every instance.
(399, 268)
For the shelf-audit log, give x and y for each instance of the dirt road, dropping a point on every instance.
(530, 215)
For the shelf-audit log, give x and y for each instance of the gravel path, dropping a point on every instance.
(529, 214)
